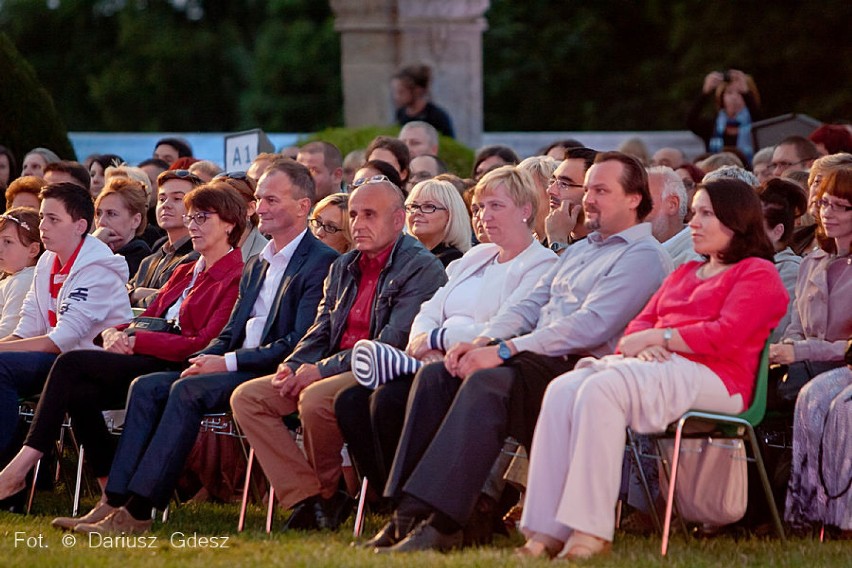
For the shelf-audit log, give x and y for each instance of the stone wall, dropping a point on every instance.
(380, 36)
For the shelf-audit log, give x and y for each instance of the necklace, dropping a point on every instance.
(704, 272)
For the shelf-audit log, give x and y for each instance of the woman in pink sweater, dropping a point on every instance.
(695, 345)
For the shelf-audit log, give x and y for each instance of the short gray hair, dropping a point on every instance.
(430, 130)
(672, 185)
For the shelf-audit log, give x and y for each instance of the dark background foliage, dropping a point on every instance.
(225, 65)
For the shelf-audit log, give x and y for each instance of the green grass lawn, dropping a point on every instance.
(31, 541)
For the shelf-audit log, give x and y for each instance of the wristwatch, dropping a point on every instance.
(558, 247)
(503, 350)
(667, 335)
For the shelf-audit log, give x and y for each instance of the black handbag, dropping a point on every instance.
(152, 324)
(798, 375)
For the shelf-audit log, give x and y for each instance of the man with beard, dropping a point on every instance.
(460, 410)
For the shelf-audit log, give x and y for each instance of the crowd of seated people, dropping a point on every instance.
(420, 319)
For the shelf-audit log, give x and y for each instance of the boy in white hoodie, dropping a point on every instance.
(78, 291)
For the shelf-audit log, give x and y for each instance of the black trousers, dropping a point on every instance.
(454, 431)
(84, 384)
(371, 423)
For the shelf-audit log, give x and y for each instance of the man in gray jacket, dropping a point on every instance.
(372, 292)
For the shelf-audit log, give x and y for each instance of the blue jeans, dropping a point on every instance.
(22, 375)
(163, 418)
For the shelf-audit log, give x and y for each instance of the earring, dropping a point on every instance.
(524, 220)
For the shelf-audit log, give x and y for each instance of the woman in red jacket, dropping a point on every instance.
(197, 301)
(695, 345)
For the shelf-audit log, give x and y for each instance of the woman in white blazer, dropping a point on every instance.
(485, 281)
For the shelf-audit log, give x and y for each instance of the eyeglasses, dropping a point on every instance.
(200, 218)
(833, 205)
(23, 224)
(365, 181)
(242, 176)
(327, 227)
(785, 165)
(565, 185)
(426, 208)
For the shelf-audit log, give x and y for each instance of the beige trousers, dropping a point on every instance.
(578, 446)
(258, 409)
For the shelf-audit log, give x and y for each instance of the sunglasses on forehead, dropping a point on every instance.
(366, 181)
(179, 174)
(242, 176)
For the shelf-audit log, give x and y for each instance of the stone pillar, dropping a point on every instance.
(380, 36)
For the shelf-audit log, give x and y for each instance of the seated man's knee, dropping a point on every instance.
(144, 385)
(313, 403)
(479, 382)
(187, 390)
(246, 396)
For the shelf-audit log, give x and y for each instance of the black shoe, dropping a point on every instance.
(384, 538)
(394, 531)
(426, 537)
(309, 515)
(338, 508)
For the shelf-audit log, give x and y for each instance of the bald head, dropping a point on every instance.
(671, 157)
(376, 217)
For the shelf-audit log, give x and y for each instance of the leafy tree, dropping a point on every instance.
(624, 65)
(29, 118)
(185, 65)
(222, 65)
(295, 84)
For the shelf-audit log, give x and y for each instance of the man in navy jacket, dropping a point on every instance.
(279, 293)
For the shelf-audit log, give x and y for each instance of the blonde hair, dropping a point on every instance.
(205, 167)
(133, 196)
(519, 186)
(130, 172)
(341, 201)
(822, 166)
(457, 232)
(541, 169)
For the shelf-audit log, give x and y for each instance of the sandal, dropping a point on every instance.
(535, 548)
(581, 546)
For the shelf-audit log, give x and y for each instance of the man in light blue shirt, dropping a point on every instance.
(461, 410)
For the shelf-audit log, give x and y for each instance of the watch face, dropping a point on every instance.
(503, 351)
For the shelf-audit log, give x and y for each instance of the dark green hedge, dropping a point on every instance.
(29, 118)
(457, 156)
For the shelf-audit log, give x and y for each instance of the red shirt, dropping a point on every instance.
(358, 320)
(58, 275)
(724, 319)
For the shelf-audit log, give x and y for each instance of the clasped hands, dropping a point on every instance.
(464, 359)
(290, 384)
(204, 365)
(116, 341)
(646, 345)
